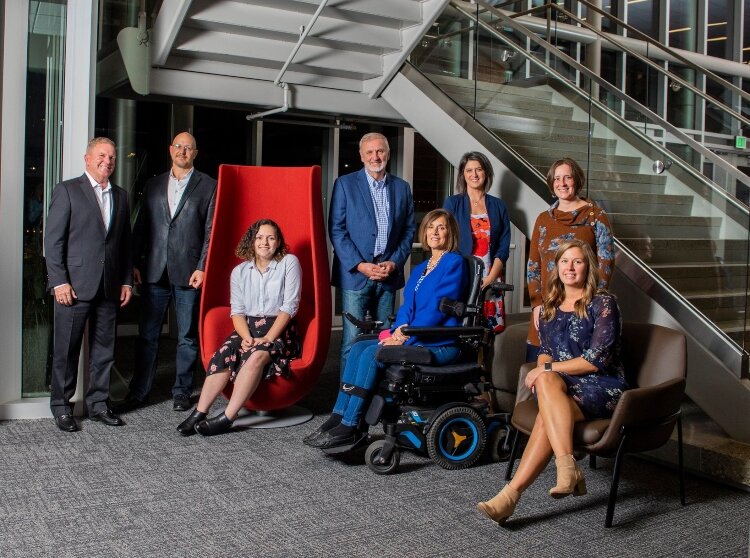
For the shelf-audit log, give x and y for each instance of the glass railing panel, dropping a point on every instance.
(691, 233)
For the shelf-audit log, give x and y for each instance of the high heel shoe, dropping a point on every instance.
(214, 425)
(187, 426)
(569, 478)
(502, 506)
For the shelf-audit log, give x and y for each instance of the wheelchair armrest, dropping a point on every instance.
(363, 325)
(455, 332)
(498, 288)
(397, 354)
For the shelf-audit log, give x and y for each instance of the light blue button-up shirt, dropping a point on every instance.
(253, 293)
(379, 194)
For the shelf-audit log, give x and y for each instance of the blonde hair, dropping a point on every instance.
(556, 290)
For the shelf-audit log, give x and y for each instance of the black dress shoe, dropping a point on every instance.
(187, 426)
(328, 440)
(313, 436)
(107, 417)
(66, 423)
(181, 402)
(126, 405)
(215, 425)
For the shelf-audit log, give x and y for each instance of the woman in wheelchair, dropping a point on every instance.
(579, 374)
(264, 297)
(442, 275)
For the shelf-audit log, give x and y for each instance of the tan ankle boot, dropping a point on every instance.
(569, 478)
(502, 506)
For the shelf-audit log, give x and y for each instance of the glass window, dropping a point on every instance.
(644, 16)
(641, 84)
(683, 24)
(716, 120)
(720, 28)
(43, 167)
(681, 101)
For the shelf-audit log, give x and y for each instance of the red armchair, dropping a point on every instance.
(291, 197)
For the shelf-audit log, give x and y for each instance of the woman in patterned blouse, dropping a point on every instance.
(579, 375)
(569, 217)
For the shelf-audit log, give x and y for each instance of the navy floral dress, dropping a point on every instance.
(596, 339)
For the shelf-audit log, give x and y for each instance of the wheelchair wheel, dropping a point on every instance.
(372, 456)
(499, 444)
(456, 438)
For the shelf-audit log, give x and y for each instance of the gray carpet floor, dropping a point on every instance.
(142, 490)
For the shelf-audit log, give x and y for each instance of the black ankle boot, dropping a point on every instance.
(187, 426)
(214, 425)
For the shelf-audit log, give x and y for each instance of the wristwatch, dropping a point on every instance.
(548, 366)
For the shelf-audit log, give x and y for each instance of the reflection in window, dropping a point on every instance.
(44, 106)
(720, 29)
(683, 25)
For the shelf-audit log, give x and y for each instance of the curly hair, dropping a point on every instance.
(246, 247)
(579, 177)
(481, 158)
(556, 290)
(452, 228)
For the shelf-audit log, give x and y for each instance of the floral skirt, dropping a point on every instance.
(231, 356)
(596, 394)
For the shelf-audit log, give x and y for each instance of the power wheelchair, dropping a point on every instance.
(436, 410)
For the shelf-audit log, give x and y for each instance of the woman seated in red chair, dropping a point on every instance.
(264, 297)
(442, 275)
(579, 374)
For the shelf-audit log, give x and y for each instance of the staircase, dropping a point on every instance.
(676, 237)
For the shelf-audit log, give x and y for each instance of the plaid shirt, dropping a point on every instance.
(379, 194)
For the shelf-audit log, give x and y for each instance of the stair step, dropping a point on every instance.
(512, 120)
(625, 177)
(720, 306)
(558, 138)
(689, 278)
(664, 226)
(660, 204)
(462, 83)
(686, 252)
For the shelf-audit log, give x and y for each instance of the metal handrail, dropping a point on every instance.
(674, 77)
(672, 52)
(609, 37)
(645, 111)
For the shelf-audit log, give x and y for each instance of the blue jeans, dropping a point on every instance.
(155, 299)
(372, 297)
(362, 371)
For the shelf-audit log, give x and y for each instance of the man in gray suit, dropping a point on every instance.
(170, 243)
(89, 266)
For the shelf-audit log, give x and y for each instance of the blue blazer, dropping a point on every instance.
(460, 206)
(421, 306)
(352, 229)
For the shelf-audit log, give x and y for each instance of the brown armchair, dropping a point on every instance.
(655, 360)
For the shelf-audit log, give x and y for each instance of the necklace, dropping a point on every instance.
(432, 264)
(477, 202)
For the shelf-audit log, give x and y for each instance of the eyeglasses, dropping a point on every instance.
(185, 148)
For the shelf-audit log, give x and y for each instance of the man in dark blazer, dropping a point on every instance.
(89, 266)
(170, 243)
(371, 226)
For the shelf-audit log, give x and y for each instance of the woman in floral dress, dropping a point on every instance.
(264, 297)
(579, 374)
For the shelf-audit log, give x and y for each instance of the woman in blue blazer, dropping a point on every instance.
(442, 275)
(483, 224)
